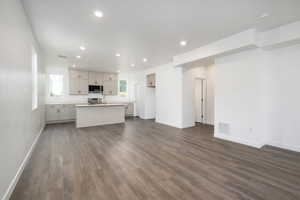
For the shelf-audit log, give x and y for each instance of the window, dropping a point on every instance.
(34, 71)
(56, 85)
(123, 90)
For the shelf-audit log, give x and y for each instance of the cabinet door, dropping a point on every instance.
(64, 112)
(100, 78)
(83, 75)
(106, 87)
(83, 86)
(74, 74)
(130, 109)
(114, 87)
(74, 86)
(72, 111)
(79, 74)
(52, 113)
(151, 80)
(67, 112)
(110, 76)
(93, 78)
(110, 87)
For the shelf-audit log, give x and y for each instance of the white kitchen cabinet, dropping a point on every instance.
(52, 113)
(100, 78)
(110, 87)
(151, 82)
(78, 82)
(129, 109)
(60, 113)
(96, 78)
(110, 76)
(93, 78)
(79, 74)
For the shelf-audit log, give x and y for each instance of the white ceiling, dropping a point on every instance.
(141, 28)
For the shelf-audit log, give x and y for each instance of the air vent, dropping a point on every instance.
(224, 128)
(62, 56)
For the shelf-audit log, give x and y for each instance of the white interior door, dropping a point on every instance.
(200, 99)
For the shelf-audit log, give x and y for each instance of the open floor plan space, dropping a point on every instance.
(143, 160)
(149, 100)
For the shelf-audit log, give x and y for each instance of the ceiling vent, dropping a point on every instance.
(62, 56)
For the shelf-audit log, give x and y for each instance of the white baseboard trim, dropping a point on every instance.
(168, 124)
(239, 140)
(15, 180)
(284, 146)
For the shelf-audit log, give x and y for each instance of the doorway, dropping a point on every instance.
(200, 99)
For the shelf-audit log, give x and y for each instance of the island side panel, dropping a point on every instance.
(95, 116)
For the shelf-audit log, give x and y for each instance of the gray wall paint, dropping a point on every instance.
(19, 125)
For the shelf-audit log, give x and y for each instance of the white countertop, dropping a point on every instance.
(101, 105)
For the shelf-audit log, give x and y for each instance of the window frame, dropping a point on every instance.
(51, 94)
(34, 79)
(123, 94)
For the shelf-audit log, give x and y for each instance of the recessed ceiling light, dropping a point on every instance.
(118, 55)
(82, 48)
(98, 13)
(264, 15)
(73, 65)
(132, 65)
(78, 57)
(183, 43)
(118, 71)
(145, 60)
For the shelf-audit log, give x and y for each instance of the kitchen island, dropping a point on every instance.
(99, 114)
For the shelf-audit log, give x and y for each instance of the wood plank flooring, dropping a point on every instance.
(143, 160)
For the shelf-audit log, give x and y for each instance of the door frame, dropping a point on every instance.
(203, 99)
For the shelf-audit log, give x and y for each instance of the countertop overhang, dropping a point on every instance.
(100, 105)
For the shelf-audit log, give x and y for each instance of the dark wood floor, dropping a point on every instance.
(144, 160)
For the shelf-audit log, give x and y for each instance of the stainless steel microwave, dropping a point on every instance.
(95, 89)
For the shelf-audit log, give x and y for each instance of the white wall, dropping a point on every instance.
(283, 97)
(19, 125)
(190, 73)
(168, 95)
(238, 97)
(210, 95)
(63, 70)
(257, 95)
(256, 79)
(150, 109)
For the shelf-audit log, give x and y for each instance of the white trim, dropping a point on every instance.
(284, 146)
(15, 180)
(238, 140)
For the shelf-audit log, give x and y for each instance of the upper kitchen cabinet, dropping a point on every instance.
(151, 80)
(110, 87)
(110, 84)
(110, 77)
(96, 78)
(79, 74)
(78, 83)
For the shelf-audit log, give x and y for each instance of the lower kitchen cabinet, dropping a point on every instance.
(129, 109)
(60, 113)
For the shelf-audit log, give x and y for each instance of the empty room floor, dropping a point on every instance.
(143, 160)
